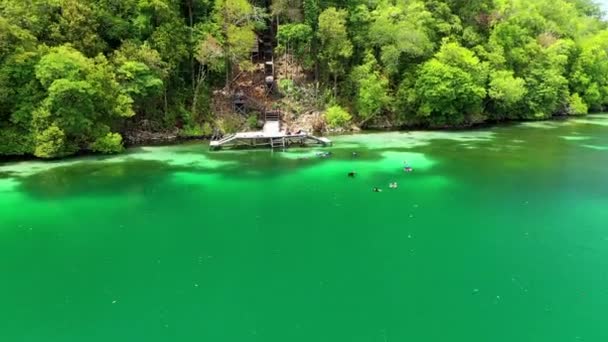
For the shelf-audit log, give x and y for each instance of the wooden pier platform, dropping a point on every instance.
(270, 136)
(263, 138)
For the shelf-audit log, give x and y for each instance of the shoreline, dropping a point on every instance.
(172, 140)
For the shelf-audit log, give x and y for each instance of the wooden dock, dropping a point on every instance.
(274, 140)
(270, 136)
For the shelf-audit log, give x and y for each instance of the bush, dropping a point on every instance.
(230, 124)
(190, 131)
(108, 144)
(336, 116)
(14, 141)
(207, 129)
(252, 121)
(286, 86)
(576, 105)
(50, 143)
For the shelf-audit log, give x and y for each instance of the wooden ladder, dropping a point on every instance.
(277, 143)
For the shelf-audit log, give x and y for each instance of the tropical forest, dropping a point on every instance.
(99, 75)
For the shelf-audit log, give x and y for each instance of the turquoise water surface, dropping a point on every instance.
(497, 235)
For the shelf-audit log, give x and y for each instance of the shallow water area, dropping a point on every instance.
(496, 235)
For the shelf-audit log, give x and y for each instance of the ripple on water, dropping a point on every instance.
(575, 137)
(179, 156)
(543, 124)
(599, 120)
(410, 139)
(596, 147)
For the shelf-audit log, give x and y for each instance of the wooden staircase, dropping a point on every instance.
(272, 115)
(272, 126)
(267, 44)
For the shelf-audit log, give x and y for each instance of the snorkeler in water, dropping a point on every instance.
(377, 190)
(352, 174)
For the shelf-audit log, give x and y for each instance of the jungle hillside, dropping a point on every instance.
(96, 75)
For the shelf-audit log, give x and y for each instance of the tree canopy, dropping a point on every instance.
(77, 74)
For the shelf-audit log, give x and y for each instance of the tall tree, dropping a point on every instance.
(336, 47)
(235, 19)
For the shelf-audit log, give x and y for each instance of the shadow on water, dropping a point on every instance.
(267, 164)
(108, 178)
(95, 178)
(6, 174)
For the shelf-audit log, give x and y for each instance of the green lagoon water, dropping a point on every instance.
(498, 235)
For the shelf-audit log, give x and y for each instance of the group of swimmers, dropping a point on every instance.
(392, 185)
(352, 174)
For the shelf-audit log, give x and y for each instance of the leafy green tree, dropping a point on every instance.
(450, 88)
(336, 47)
(506, 89)
(78, 25)
(296, 39)
(83, 98)
(359, 22)
(311, 10)
(506, 92)
(400, 32)
(18, 88)
(289, 9)
(372, 89)
(545, 78)
(590, 71)
(235, 19)
(138, 80)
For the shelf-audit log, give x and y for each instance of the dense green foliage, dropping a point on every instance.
(76, 74)
(337, 116)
